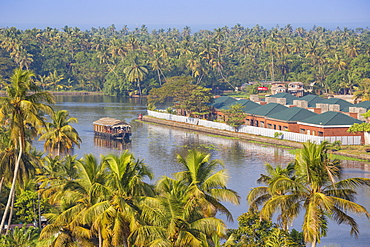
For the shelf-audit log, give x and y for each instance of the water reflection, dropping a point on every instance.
(111, 143)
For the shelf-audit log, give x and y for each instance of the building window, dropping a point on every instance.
(302, 131)
(274, 126)
(285, 128)
(262, 124)
(320, 133)
(269, 126)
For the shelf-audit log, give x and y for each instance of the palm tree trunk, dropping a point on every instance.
(313, 244)
(12, 189)
(272, 67)
(1, 182)
(100, 238)
(39, 209)
(10, 215)
(159, 77)
(58, 152)
(138, 85)
(164, 78)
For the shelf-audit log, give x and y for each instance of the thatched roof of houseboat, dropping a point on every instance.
(107, 121)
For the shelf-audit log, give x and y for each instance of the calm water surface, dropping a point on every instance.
(158, 145)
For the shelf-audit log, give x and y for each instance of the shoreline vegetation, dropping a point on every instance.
(3, 93)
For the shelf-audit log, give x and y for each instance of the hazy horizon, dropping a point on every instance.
(193, 27)
(197, 14)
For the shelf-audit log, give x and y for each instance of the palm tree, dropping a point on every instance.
(174, 218)
(209, 185)
(136, 73)
(77, 197)
(127, 187)
(314, 188)
(259, 195)
(20, 112)
(156, 64)
(59, 134)
(21, 237)
(362, 92)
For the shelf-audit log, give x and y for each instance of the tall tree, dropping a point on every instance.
(59, 134)
(314, 188)
(174, 218)
(209, 185)
(136, 73)
(21, 112)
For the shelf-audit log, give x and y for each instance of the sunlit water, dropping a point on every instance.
(158, 145)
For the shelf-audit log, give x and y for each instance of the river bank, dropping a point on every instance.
(253, 138)
(72, 93)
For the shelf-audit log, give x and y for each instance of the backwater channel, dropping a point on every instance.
(158, 145)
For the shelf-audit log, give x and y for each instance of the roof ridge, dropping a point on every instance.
(335, 114)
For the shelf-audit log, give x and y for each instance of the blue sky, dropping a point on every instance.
(197, 14)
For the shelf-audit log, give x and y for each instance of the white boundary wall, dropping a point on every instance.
(290, 136)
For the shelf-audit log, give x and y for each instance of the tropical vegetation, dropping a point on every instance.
(111, 200)
(129, 62)
(311, 186)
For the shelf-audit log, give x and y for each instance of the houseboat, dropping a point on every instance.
(112, 128)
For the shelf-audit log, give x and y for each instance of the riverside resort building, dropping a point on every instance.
(309, 115)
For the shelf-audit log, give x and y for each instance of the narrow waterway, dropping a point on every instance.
(158, 145)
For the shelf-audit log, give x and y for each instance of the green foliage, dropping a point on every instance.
(20, 237)
(278, 134)
(366, 114)
(151, 106)
(169, 110)
(175, 89)
(235, 116)
(356, 127)
(190, 98)
(222, 59)
(334, 146)
(311, 184)
(254, 231)
(27, 206)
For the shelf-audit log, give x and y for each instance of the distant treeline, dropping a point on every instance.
(124, 62)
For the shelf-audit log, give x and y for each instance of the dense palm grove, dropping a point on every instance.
(112, 200)
(124, 62)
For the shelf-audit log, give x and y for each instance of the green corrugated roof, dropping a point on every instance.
(313, 99)
(244, 102)
(289, 98)
(222, 101)
(266, 110)
(293, 114)
(342, 103)
(364, 104)
(250, 105)
(331, 118)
